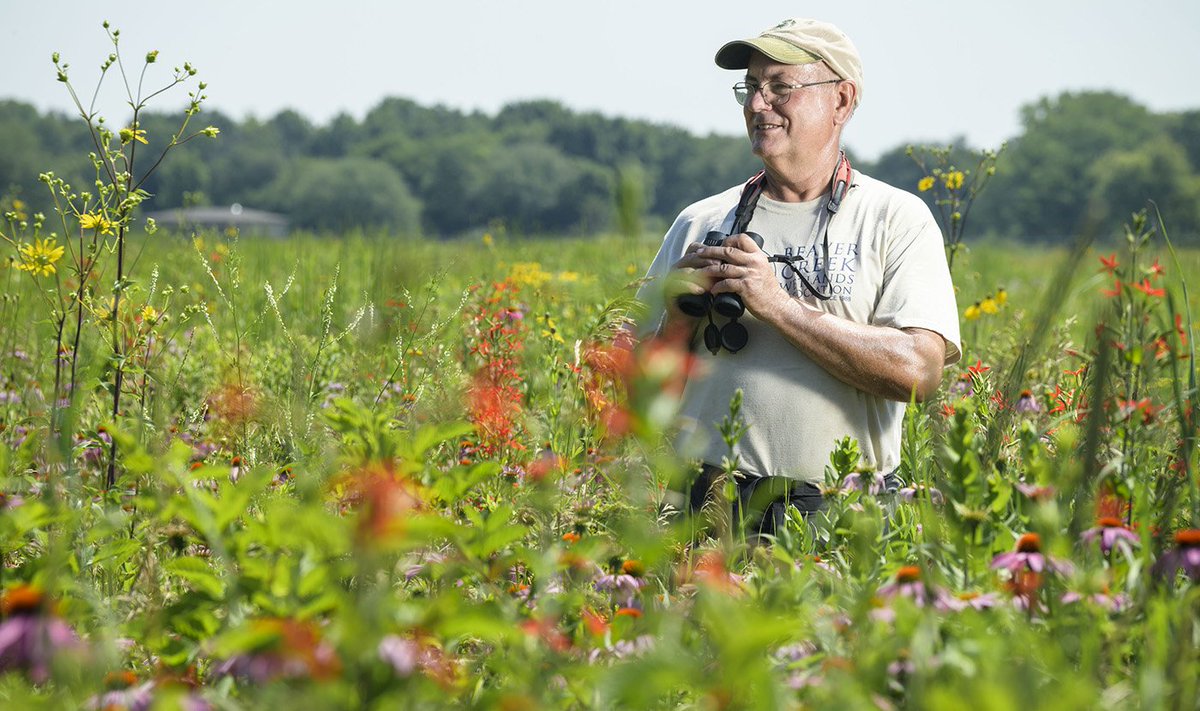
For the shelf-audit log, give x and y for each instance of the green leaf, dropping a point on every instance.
(198, 574)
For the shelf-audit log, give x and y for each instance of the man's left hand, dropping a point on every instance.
(743, 269)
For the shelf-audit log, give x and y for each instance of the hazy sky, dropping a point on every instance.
(933, 70)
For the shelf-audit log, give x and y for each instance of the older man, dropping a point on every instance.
(849, 311)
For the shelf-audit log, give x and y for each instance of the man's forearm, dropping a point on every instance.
(888, 362)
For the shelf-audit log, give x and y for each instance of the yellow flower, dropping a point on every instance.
(568, 276)
(133, 133)
(550, 331)
(972, 312)
(988, 305)
(487, 239)
(38, 258)
(528, 274)
(1001, 297)
(149, 314)
(953, 180)
(926, 183)
(89, 221)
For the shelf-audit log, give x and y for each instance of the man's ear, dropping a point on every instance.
(847, 93)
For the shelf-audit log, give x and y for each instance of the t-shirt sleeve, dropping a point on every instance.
(917, 290)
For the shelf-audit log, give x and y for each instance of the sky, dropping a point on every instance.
(934, 71)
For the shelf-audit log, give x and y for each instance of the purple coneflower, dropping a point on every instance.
(1027, 402)
(971, 599)
(1111, 531)
(1112, 603)
(921, 491)
(909, 584)
(1184, 556)
(1028, 556)
(31, 634)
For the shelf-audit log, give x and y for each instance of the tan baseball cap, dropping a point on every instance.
(799, 41)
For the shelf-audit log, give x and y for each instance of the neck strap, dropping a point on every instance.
(839, 185)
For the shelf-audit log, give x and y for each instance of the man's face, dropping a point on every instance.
(803, 126)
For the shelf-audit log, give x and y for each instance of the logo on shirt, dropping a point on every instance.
(833, 274)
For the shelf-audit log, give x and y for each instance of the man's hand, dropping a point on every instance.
(740, 267)
(893, 363)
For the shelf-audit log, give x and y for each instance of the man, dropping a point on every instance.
(849, 308)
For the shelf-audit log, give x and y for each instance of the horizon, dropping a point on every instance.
(921, 69)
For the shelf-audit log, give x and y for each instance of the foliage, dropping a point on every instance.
(387, 473)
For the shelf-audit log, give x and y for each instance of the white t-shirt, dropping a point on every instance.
(887, 267)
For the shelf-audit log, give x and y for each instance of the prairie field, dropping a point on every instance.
(372, 472)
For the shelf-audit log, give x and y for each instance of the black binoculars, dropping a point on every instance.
(732, 336)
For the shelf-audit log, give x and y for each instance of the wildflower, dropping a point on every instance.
(287, 649)
(979, 368)
(921, 491)
(909, 584)
(970, 599)
(31, 634)
(925, 183)
(123, 692)
(1156, 269)
(989, 305)
(1110, 263)
(623, 586)
(149, 314)
(1112, 603)
(962, 387)
(89, 221)
(1185, 557)
(488, 240)
(1027, 402)
(211, 131)
(1036, 492)
(1028, 556)
(1114, 291)
(133, 133)
(1001, 296)
(528, 274)
(39, 258)
(711, 571)
(973, 311)
(870, 482)
(1145, 287)
(1111, 531)
(953, 180)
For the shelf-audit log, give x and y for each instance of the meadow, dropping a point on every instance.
(373, 471)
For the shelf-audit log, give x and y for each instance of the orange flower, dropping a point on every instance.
(1145, 287)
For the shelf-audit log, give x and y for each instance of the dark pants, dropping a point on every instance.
(761, 503)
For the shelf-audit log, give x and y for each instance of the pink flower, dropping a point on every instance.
(1111, 531)
(1185, 557)
(1028, 557)
(31, 635)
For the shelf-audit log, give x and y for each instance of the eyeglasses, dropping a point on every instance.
(775, 93)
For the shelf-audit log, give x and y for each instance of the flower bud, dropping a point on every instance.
(151, 56)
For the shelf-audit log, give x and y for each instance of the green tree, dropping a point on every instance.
(334, 194)
(1124, 180)
(1041, 189)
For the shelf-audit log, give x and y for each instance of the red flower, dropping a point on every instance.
(1145, 288)
(1156, 269)
(979, 368)
(1114, 291)
(1110, 263)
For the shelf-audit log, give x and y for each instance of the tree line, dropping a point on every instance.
(1082, 162)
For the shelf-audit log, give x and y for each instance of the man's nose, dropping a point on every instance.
(758, 101)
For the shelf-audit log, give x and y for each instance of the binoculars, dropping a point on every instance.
(732, 336)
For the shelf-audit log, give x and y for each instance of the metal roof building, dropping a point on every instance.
(245, 220)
